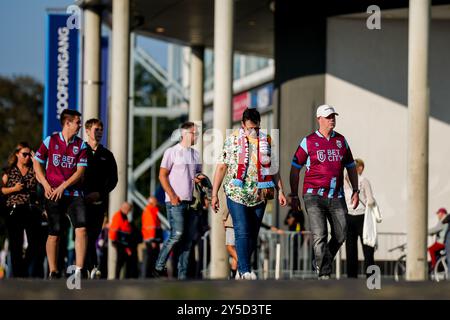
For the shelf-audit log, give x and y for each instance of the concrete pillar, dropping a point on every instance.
(91, 63)
(196, 90)
(119, 109)
(223, 81)
(418, 117)
(300, 67)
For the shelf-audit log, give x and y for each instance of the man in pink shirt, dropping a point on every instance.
(64, 156)
(325, 153)
(179, 166)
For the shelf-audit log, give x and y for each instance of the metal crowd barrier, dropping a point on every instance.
(284, 256)
(289, 255)
(277, 256)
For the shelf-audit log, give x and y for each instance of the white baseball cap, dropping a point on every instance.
(325, 110)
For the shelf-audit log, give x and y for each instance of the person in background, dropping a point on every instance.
(440, 230)
(355, 222)
(295, 220)
(152, 235)
(19, 186)
(120, 234)
(101, 246)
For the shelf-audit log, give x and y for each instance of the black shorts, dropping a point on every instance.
(74, 207)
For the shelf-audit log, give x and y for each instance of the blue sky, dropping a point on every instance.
(22, 37)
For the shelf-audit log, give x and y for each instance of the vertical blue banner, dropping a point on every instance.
(104, 101)
(61, 74)
(261, 97)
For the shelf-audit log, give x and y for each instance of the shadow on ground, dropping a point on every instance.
(222, 290)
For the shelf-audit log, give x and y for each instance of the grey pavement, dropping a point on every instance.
(345, 289)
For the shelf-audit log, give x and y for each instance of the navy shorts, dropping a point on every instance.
(73, 207)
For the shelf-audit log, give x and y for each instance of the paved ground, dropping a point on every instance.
(209, 289)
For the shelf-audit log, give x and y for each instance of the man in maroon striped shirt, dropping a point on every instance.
(325, 153)
(65, 159)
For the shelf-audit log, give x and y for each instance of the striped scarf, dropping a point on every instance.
(262, 163)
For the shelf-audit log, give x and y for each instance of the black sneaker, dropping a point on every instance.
(84, 274)
(54, 275)
(159, 273)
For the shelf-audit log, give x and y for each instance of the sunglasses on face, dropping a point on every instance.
(26, 154)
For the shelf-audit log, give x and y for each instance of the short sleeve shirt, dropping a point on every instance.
(183, 164)
(62, 160)
(247, 194)
(29, 186)
(325, 161)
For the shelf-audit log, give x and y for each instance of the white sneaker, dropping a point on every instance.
(246, 276)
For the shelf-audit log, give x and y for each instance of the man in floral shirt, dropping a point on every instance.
(244, 169)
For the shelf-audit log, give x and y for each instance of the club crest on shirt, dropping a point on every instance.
(321, 155)
(75, 150)
(56, 147)
(56, 160)
(317, 144)
(339, 143)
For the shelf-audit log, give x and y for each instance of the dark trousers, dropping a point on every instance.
(95, 215)
(354, 231)
(150, 256)
(20, 219)
(320, 209)
(124, 260)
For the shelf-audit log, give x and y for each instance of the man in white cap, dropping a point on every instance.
(324, 153)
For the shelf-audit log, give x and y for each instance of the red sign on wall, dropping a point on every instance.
(240, 103)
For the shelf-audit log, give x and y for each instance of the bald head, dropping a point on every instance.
(153, 201)
(126, 207)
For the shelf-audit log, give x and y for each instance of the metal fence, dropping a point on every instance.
(289, 255)
(277, 256)
(284, 256)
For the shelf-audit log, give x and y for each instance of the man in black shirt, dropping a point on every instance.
(100, 180)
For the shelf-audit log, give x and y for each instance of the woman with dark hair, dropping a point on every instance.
(19, 187)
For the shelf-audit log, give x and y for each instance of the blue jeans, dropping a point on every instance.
(246, 223)
(321, 209)
(183, 224)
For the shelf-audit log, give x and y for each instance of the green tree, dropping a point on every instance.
(21, 108)
(21, 120)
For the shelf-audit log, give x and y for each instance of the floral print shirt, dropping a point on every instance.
(248, 194)
(29, 187)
